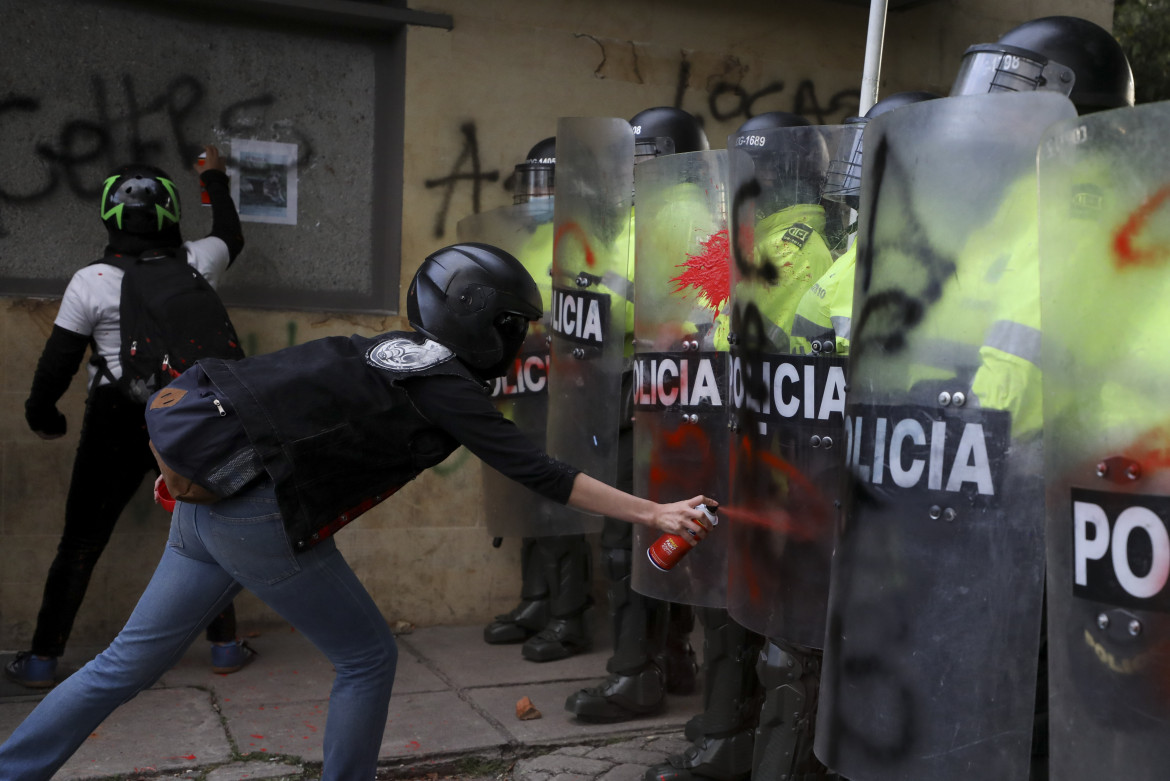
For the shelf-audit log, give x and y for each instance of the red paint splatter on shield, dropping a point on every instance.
(572, 228)
(709, 271)
(1124, 241)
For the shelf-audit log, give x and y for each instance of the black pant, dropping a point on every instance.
(112, 458)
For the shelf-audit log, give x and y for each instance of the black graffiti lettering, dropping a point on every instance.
(19, 192)
(843, 103)
(184, 95)
(85, 148)
(80, 142)
(470, 156)
(684, 81)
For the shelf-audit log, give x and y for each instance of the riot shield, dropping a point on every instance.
(934, 619)
(680, 380)
(1105, 275)
(592, 295)
(526, 231)
(787, 407)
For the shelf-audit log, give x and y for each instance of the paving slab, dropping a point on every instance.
(160, 729)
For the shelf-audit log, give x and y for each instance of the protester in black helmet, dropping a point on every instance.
(270, 455)
(140, 210)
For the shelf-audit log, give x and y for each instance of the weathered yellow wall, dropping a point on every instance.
(502, 76)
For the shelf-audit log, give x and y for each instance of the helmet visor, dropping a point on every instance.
(843, 176)
(988, 68)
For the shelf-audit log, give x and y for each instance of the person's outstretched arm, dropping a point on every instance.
(594, 496)
(225, 220)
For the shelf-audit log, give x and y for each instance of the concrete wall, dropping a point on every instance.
(477, 97)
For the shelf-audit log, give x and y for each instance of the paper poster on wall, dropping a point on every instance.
(264, 181)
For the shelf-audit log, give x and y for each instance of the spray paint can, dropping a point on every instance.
(204, 197)
(668, 549)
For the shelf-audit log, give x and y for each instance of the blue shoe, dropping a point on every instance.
(32, 671)
(228, 658)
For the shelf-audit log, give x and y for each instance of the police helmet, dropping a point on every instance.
(665, 130)
(535, 177)
(139, 199)
(843, 178)
(476, 300)
(789, 167)
(1067, 54)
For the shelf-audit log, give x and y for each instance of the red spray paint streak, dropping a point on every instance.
(709, 271)
(576, 230)
(1124, 249)
(687, 440)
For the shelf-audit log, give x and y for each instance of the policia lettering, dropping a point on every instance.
(580, 315)
(669, 380)
(905, 447)
(1121, 549)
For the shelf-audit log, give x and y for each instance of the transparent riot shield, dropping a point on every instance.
(787, 407)
(592, 295)
(526, 231)
(932, 646)
(1105, 277)
(680, 379)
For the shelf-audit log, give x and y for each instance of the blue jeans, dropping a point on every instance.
(214, 551)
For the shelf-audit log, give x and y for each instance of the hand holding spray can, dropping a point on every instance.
(668, 549)
(204, 196)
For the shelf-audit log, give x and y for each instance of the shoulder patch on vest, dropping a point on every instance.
(798, 233)
(401, 354)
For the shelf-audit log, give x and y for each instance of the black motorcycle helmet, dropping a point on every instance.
(476, 300)
(664, 130)
(1062, 53)
(843, 177)
(535, 177)
(140, 200)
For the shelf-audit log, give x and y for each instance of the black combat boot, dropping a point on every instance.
(723, 735)
(791, 676)
(532, 614)
(568, 568)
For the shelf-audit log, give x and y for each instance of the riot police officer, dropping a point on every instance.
(652, 654)
(555, 557)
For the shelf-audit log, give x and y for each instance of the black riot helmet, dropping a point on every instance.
(789, 170)
(665, 130)
(1067, 54)
(535, 177)
(843, 178)
(476, 300)
(140, 200)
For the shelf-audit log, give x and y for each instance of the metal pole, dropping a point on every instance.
(873, 55)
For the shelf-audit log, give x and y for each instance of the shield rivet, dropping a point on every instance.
(1133, 471)
(949, 514)
(815, 441)
(935, 512)
(1135, 628)
(693, 418)
(959, 399)
(827, 442)
(1102, 469)
(1102, 621)
(816, 345)
(944, 398)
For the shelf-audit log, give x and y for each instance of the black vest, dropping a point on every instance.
(334, 428)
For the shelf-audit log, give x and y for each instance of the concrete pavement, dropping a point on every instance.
(453, 714)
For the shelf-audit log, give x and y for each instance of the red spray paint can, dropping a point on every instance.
(668, 549)
(204, 196)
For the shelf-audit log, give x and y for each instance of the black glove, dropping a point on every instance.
(45, 422)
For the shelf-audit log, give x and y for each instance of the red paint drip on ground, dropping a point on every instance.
(1124, 248)
(709, 271)
(572, 228)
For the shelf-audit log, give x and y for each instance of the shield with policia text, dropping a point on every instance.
(526, 231)
(787, 408)
(680, 379)
(933, 639)
(592, 293)
(1105, 277)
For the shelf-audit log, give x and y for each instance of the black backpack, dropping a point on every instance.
(170, 318)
